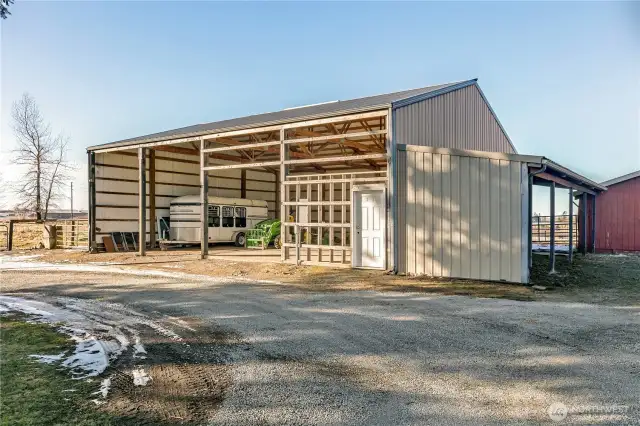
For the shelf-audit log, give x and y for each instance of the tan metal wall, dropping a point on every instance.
(176, 175)
(462, 215)
(460, 119)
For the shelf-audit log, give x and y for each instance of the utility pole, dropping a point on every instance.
(71, 200)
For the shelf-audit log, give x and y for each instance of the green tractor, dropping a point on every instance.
(264, 234)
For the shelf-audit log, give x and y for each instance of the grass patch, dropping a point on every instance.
(592, 278)
(34, 393)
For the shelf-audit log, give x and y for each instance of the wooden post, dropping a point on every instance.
(583, 224)
(243, 183)
(570, 225)
(552, 228)
(592, 244)
(279, 198)
(152, 199)
(204, 201)
(284, 170)
(10, 236)
(142, 203)
(530, 233)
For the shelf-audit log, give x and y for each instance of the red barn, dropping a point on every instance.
(617, 215)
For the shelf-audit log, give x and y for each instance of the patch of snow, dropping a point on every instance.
(49, 359)
(547, 247)
(102, 331)
(19, 258)
(138, 349)
(140, 377)
(105, 385)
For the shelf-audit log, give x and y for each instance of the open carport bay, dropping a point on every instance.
(389, 358)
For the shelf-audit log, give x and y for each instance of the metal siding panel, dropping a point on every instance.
(505, 221)
(525, 224)
(515, 219)
(411, 213)
(460, 119)
(428, 204)
(420, 213)
(437, 215)
(446, 215)
(455, 236)
(485, 219)
(494, 212)
(465, 207)
(474, 217)
(618, 217)
(401, 203)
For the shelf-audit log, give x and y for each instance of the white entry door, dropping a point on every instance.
(369, 228)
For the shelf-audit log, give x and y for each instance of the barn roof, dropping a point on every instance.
(621, 179)
(291, 115)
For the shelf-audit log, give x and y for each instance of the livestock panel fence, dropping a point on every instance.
(541, 230)
(25, 234)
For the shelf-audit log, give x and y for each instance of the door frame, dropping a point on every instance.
(355, 188)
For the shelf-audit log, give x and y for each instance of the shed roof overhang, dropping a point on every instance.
(546, 171)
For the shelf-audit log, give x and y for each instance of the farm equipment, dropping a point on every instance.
(265, 233)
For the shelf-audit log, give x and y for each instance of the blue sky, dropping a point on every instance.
(564, 78)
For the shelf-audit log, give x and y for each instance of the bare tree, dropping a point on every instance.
(42, 154)
(4, 8)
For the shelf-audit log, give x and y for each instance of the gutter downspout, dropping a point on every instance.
(530, 190)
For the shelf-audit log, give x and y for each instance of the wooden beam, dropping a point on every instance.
(570, 225)
(339, 119)
(335, 137)
(243, 183)
(178, 150)
(243, 146)
(338, 159)
(552, 228)
(564, 182)
(244, 165)
(142, 208)
(152, 199)
(284, 191)
(204, 202)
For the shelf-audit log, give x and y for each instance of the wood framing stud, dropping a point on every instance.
(152, 199)
(142, 203)
(204, 202)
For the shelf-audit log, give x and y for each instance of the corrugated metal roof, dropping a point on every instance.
(288, 115)
(622, 178)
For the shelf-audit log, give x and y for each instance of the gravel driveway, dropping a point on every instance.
(390, 358)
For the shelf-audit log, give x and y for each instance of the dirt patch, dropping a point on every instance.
(187, 379)
(181, 393)
(303, 278)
